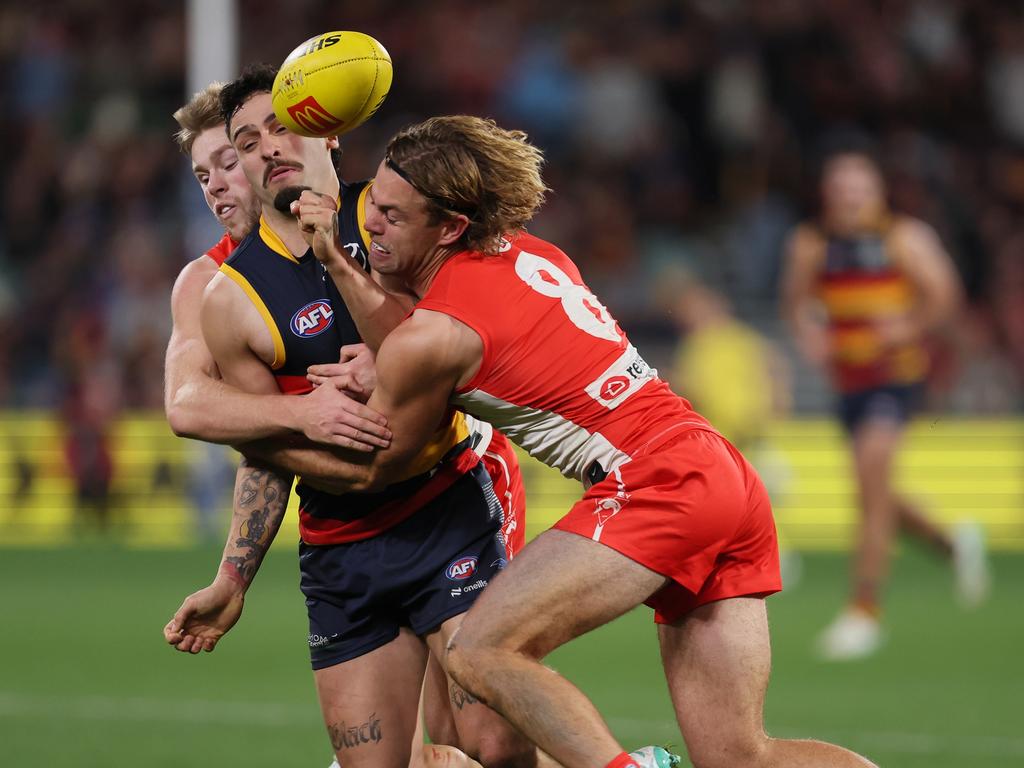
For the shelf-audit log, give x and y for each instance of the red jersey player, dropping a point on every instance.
(672, 516)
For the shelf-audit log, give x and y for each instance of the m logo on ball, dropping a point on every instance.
(314, 118)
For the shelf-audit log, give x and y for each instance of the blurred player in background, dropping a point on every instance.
(672, 515)
(197, 402)
(421, 549)
(863, 290)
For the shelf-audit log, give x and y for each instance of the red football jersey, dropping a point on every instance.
(558, 376)
(220, 252)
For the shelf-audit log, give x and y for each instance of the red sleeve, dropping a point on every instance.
(220, 252)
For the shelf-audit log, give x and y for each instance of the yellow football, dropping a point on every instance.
(331, 83)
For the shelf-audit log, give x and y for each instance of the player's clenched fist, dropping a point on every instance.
(318, 219)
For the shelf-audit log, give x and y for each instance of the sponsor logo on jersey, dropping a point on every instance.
(624, 377)
(461, 569)
(313, 117)
(313, 319)
(613, 387)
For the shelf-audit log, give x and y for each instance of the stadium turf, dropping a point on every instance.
(86, 680)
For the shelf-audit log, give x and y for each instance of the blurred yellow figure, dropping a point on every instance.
(728, 370)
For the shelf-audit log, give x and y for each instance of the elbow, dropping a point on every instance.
(187, 421)
(183, 423)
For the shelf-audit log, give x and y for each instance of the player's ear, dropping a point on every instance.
(452, 229)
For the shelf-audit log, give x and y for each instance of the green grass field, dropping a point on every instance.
(86, 680)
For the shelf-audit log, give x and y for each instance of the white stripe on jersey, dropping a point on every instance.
(546, 436)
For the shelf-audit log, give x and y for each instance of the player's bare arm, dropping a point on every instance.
(261, 492)
(418, 367)
(201, 406)
(800, 307)
(376, 304)
(261, 498)
(918, 252)
(243, 350)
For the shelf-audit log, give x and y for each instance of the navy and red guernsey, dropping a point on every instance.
(309, 323)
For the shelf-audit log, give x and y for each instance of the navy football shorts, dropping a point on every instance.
(419, 573)
(894, 403)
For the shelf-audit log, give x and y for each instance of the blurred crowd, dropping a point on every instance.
(681, 139)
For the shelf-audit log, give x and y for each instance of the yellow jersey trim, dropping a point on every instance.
(273, 242)
(444, 439)
(268, 319)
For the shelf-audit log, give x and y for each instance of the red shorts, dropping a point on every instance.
(502, 465)
(694, 511)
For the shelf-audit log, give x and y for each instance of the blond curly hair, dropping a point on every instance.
(468, 165)
(201, 113)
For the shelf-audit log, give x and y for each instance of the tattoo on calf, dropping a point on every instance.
(349, 736)
(461, 697)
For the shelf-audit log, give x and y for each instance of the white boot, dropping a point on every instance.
(854, 634)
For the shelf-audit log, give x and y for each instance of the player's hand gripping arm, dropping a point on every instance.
(201, 406)
(376, 310)
(354, 373)
(418, 368)
(261, 497)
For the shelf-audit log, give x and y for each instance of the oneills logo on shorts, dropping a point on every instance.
(314, 118)
(313, 319)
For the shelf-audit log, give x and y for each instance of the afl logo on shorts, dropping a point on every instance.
(313, 319)
(461, 569)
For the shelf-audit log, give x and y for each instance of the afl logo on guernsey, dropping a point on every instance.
(462, 568)
(313, 319)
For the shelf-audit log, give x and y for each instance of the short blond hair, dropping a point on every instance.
(468, 165)
(201, 113)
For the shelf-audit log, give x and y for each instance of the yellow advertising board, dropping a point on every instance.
(960, 469)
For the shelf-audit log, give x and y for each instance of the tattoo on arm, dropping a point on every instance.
(261, 497)
(349, 736)
(461, 697)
